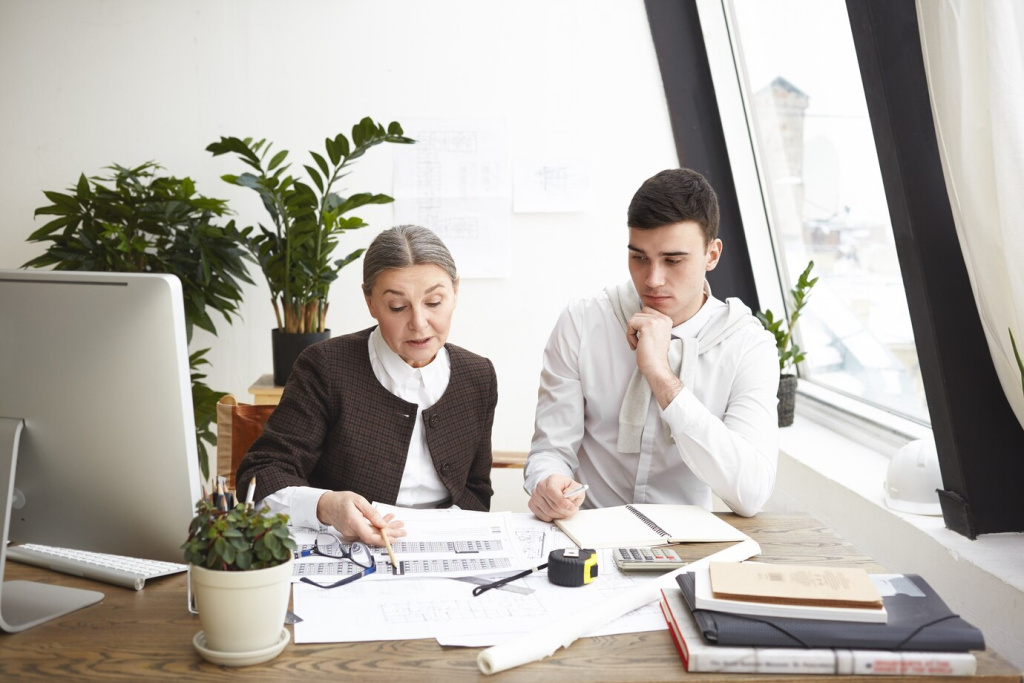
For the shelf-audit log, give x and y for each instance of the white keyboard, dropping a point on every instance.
(129, 572)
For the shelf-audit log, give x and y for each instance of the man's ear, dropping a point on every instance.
(714, 253)
(455, 285)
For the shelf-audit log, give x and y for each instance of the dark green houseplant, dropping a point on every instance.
(136, 220)
(790, 352)
(307, 219)
(240, 539)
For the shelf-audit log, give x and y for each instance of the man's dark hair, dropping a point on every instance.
(675, 196)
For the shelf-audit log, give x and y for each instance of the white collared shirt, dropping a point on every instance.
(421, 486)
(721, 434)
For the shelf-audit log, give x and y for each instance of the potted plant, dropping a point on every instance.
(135, 220)
(240, 566)
(308, 217)
(790, 352)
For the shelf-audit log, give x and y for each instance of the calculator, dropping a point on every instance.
(647, 559)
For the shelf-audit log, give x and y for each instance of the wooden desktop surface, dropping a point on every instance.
(147, 634)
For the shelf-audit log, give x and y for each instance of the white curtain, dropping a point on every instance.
(974, 59)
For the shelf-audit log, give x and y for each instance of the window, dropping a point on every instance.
(978, 437)
(823, 194)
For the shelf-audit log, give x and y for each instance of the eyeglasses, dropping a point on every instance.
(326, 545)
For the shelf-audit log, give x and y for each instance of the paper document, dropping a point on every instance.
(411, 607)
(455, 181)
(439, 543)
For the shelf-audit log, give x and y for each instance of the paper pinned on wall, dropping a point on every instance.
(454, 181)
(551, 186)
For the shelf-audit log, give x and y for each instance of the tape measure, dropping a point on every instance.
(571, 567)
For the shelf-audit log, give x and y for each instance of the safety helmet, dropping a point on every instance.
(913, 477)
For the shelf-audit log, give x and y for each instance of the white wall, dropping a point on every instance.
(86, 83)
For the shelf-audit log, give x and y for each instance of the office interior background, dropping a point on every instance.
(588, 98)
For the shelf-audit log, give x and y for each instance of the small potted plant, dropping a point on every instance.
(240, 568)
(790, 352)
(308, 217)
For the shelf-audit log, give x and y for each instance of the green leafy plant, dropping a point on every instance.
(1016, 353)
(790, 352)
(307, 218)
(239, 539)
(135, 220)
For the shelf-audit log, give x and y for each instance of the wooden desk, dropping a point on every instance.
(508, 459)
(148, 635)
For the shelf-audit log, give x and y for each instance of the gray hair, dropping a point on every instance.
(403, 246)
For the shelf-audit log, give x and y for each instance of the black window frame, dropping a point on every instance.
(979, 440)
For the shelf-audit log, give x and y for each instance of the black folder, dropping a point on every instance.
(919, 621)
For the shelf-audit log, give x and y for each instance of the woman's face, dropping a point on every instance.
(414, 307)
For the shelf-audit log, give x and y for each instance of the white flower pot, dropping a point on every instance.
(242, 611)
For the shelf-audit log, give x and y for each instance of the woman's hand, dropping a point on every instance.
(354, 517)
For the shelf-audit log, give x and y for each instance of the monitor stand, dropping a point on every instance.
(23, 604)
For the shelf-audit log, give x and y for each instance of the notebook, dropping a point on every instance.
(919, 620)
(794, 584)
(704, 598)
(646, 525)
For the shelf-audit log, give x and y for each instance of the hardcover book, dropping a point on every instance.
(794, 584)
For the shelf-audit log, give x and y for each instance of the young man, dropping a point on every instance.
(654, 391)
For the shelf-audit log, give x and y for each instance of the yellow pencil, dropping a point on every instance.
(391, 551)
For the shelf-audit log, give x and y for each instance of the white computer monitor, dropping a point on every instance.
(97, 435)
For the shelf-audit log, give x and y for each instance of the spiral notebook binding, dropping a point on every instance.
(648, 521)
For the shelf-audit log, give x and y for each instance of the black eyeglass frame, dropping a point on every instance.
(345, 555)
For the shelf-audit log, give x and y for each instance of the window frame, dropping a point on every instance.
(978, 438)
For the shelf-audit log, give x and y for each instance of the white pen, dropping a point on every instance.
(572, 493)
(251, 493)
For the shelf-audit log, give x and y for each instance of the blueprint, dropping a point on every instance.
(440, 543)
(424, 603)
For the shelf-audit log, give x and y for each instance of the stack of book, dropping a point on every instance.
(791, 619)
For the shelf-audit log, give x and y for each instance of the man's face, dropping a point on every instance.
(668, 265)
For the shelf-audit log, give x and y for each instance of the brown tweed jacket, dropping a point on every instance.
(338, 428)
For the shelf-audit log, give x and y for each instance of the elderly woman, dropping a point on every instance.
(391, 414)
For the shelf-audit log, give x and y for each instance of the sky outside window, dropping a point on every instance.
(826, 200)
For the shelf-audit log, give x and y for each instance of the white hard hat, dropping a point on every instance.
(913, 477)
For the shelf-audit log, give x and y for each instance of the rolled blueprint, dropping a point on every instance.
(532, 647)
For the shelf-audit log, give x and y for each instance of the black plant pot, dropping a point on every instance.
(787, 399)
(287, 347)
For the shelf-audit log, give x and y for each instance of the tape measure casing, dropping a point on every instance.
(572, 571)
